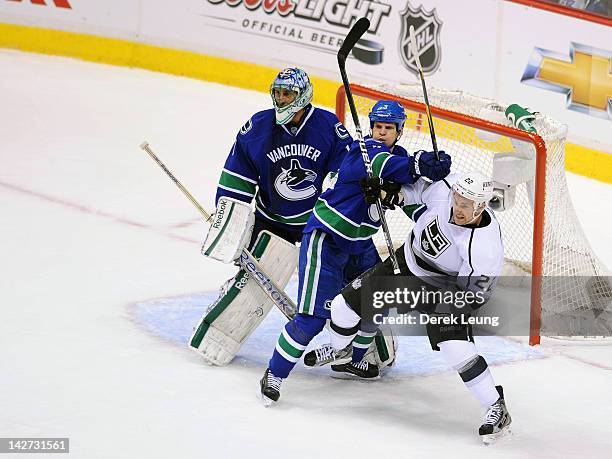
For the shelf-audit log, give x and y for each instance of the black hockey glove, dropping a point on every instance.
(376, 187)
(371, 187)
(391, 194)
(426, 165)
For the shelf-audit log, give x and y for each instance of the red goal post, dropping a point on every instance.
(458, 122)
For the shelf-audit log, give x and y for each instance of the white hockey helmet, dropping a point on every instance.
(475, 187)
(296, 80)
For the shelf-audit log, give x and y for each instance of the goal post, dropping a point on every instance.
(541, 233)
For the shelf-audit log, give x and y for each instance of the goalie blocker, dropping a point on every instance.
(230, 230)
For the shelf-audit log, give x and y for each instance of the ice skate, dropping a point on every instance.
(270, 388)
(327, 354)
(351, 370)
(497, 420)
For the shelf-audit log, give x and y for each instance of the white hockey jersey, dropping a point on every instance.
(471, 255)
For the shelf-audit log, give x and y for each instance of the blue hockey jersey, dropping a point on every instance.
(342, 210)
(283, 167)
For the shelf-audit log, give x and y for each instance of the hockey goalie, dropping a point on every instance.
(277, 165)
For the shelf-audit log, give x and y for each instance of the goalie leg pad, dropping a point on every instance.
(383, 349)
(241, 307)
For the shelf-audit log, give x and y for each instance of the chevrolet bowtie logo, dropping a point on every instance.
(586, 78)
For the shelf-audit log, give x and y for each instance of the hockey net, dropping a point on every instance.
(543, 241)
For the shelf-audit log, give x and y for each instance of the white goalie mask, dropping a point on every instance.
(475, 187)
(295, 80)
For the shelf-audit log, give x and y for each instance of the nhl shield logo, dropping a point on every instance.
(427, 29)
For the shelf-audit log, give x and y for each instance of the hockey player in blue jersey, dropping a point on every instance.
(337, 243)
(279, 160)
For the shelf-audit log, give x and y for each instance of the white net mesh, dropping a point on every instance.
(573, 290)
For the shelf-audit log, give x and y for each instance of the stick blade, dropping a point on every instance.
(359, 28)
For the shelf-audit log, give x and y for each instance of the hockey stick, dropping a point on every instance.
(422, 76)
(359, 28)
(246, 259)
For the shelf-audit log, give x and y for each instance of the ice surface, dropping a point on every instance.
(102, 280)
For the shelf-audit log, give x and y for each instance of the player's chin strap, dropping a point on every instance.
(399, 136)
(475, 216)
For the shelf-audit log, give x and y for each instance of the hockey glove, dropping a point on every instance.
(371, 187)
(391, 195)
(426, 165)
(376, 187)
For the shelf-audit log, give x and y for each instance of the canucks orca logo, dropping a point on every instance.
(288, 182)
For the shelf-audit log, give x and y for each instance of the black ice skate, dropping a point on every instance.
(270, 388)
(497, 420)
(351, 370)
(327, 354)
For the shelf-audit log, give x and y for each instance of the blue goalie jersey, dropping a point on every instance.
(342, 211)
(283, 167)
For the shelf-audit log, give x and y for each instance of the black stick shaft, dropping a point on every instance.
(429, 117)
(417, 60)
(358, 29)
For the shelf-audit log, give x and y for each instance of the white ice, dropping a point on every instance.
(92, 230)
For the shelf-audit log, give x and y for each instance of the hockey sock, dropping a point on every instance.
(479, 380)
(472, 368)
(293, 341)
(341, 337)
(361, 344)
(344, 323)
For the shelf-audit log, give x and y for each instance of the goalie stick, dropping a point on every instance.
(417, 60)
(359, 28)
(246, 259)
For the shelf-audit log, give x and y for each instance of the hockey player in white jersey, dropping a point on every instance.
(456, 240)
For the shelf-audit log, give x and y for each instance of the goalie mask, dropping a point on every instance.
(476, 188)
(296, 80)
